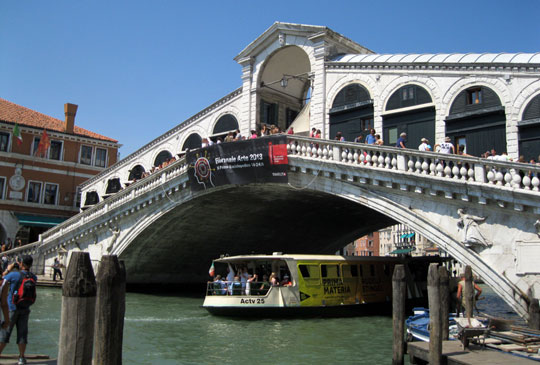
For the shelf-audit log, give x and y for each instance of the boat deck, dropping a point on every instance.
(453, 353)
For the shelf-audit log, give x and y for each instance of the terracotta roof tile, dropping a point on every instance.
(10, 112)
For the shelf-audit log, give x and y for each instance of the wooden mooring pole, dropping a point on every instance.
(110, 309)
(399, 296)
(435, 330)
(534, 314)
(444, 292)
(78, 308)
(468, 293)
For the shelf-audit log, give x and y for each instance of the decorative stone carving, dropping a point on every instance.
(115, 232)
(281, 39)
(472, 236)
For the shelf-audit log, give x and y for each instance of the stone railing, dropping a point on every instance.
(471, 169)
(133, 191)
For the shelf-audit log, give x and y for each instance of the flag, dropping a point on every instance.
(44, 144)
(212, 271)
(17, 134)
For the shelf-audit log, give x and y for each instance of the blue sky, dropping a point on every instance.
(138, 68)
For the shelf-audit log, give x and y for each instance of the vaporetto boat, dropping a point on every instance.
(325, 285)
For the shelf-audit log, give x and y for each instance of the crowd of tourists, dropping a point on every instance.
(245, 283)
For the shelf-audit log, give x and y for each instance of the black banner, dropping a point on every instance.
(260, 160)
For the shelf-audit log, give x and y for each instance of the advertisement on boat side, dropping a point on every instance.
(260, 160)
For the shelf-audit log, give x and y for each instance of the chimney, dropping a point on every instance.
(70, 110)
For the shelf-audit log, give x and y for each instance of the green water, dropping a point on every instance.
(175, 330)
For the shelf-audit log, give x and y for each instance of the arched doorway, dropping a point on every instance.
(284, 87)
(529, 131)
(136, 173)
(477, 121)
(163, 156)
(193, 142)
(409, 110)
(352, 113)
(225, 124)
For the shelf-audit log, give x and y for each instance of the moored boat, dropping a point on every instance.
(320, 285)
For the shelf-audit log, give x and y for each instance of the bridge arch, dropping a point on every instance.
(529, 125)
(223, 123)
(192, 141)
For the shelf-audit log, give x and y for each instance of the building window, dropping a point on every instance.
(474, 96)
(370, 243)
(101, 157)
(50, 194)
(407, 93)
(55, 150)
(366, 123)
(86, 155)
(35, 145)
(34, 192)
(392, 136)
(4, 141)
(2, 187)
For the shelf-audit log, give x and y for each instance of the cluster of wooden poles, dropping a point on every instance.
(439, 305)
(92, 319)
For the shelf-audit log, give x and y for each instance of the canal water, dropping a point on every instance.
(174, 329)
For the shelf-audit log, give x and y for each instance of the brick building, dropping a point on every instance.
(40, 175)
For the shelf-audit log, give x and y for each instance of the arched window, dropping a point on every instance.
(225, 124)
(92, 198)
(407, 96)
(529, 131)
(136, 173)
(162, 157)
(352, 113)
(477, 121)
(194, 141)
(113, 186)
(417, 122)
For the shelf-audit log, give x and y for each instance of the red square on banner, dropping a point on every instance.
(278, 154)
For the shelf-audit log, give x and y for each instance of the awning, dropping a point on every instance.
(402, 250)
(39, 221)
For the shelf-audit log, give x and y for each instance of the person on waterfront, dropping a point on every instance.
(378, 140)
(461, 151)
(57, 269)
(461, 298)
(253, 134)
(313, 132)
(290, 131)
(424, 146)
(370, 139)
(318, 134)
(17, 316)
(400, 143)
(359, 139)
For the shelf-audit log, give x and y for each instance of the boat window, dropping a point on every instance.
(330, 271)
(309, 271)
(350, 271)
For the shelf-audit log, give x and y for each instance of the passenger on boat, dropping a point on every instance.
(274, 281)
(244, 276)
(265, 286)
(236, 286)
(219, 286)
(286, 281)
(250, 291)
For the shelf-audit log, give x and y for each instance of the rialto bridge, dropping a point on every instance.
(484, 213)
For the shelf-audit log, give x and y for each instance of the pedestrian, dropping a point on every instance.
(370, 139)
(339, 137)
(446, 147)
(57, 269)
(18, 316)
(400, 143)
(424, 146)
(313, 132)
(379, 141)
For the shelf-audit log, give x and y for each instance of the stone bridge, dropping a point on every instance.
(482, 212)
